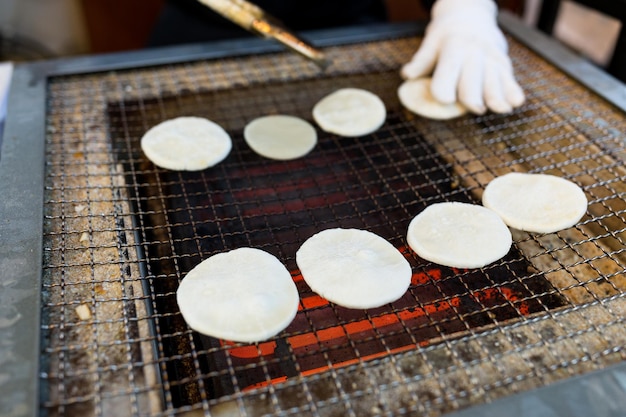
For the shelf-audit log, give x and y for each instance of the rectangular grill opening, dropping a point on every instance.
(377, 182)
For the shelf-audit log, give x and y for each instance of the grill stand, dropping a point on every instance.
(21, 240)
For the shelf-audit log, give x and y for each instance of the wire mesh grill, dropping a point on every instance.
(120, 234)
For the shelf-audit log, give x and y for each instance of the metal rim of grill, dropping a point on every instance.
(120, 233)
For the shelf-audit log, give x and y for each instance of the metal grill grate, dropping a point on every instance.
(120, 234)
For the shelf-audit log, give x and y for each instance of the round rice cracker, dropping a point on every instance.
(350, 112)
(353, 268)
(244, 295)
(537, 203)
(280, 137)
(186, 144)
(415, 95)
(459, 235)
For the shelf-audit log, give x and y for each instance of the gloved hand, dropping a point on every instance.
(469, 56)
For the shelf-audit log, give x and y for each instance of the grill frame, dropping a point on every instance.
(21, 236)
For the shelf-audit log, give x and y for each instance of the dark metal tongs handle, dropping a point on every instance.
(254, 19)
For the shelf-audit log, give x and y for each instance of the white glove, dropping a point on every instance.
(469, 56)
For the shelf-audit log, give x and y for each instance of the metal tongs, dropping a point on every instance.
(251, 17)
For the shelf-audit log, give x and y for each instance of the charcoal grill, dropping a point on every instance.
(95, 239)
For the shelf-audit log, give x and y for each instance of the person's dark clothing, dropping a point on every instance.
(188, 21)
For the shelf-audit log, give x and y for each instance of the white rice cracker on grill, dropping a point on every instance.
(415, 95)
(186, 144)
(459, 235)
(350, 112)
(280, 137)
(538, 203)
(353, 268)
(244, 295)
